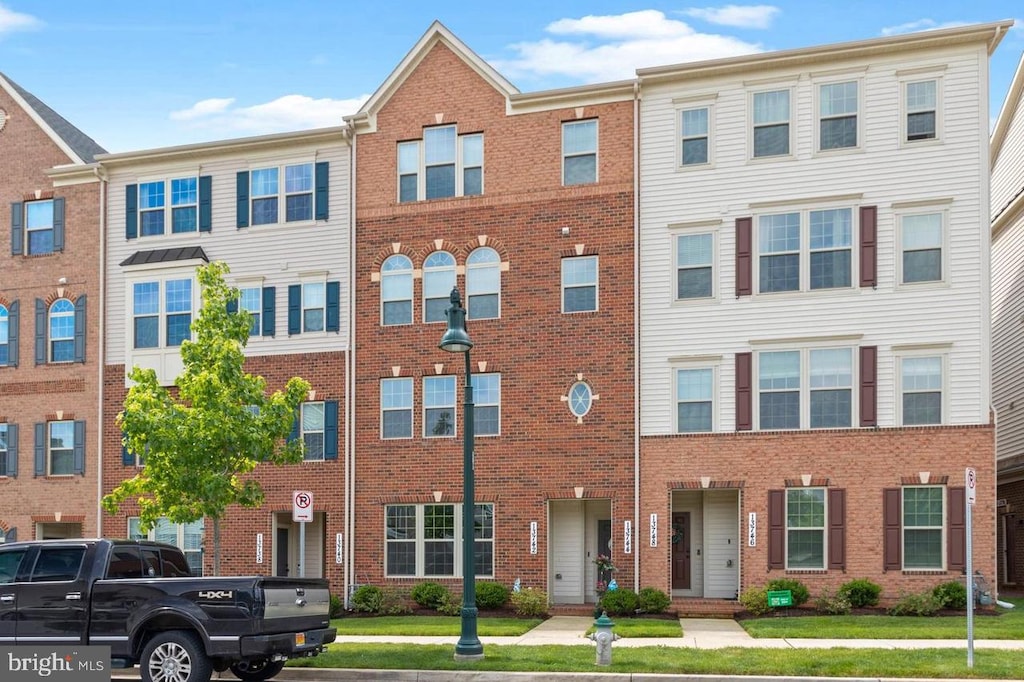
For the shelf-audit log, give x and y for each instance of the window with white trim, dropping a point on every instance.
(396, 408)
(923, 527)
(579, 152)
(442, 164)
(920, 103)
(581, 399)
(314, 306)
(579, 284)
(425, 540)
(60, 450)
(396, 290)
(807, 388)
(3, 450)
(805, 250)
(161, 312)
(266, 194)
(805, 528)
(5, 339)
(487, 404)
(312, 431)
(250, 299)
(922, 252)
(695, 277)
(182, 211)
(922, 385)
(771, 123)
(62, 331)
(438, 282)
(438, 406)
(694, 134)
(39, 219)
(695, 389)
(188, 537)
(837, 115)
(483, 284)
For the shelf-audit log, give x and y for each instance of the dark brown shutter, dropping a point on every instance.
(869, 386)
(869, 246)
(956, 521)
(892, 528)
(744, 380)
(837, 529)
(744, 263)
(776, 529)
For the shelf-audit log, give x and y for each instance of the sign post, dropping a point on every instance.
(971, 483)
(302, 513)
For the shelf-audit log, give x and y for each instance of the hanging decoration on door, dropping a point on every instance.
(677, 533)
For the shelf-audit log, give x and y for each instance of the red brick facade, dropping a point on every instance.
(30, 394)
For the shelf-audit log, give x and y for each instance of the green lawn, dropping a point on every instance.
(1008, 625)
(875, 663)
(440, 626)
(645, 627)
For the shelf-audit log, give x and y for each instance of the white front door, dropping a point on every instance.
(566, 551)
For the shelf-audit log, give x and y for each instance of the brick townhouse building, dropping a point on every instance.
(525, 203)
(814, 337)
(275, 208)
(49, 305)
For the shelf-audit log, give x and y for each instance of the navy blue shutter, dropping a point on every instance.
(232, 306)
(205, 203)
(40, 449)
(242, 195)
(320, 198)
(269, 297)
(12, 535)
(58, 224)
(294, 308)
(333, 306)
(17, 233)
(12, 334)
(40, 332)
(12, 450)
(131, 211)
(80, 329)
(331, 429)
(79, 446)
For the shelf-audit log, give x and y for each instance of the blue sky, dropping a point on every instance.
(137, 75)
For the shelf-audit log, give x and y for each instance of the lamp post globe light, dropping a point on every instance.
(456, 340)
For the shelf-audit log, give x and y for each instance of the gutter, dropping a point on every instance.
(101, 359)
(350, 383)
(635, 546)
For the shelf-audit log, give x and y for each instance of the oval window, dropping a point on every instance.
(580, 399)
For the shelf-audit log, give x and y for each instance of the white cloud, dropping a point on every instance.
(920, 25)
(11, 21)
(741, 16)
(290, 112)
(623, 43)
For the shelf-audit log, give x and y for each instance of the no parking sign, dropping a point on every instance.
(302, 506)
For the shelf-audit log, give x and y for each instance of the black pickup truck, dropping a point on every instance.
(140, 599)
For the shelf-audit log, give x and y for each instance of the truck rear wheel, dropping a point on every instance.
(257, 671)
(175, 656)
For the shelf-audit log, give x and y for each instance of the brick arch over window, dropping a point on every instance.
(390, 250)
(43, 307)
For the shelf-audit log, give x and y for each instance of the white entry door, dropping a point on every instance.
(566, 559)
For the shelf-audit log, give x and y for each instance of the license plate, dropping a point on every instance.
(300, 639)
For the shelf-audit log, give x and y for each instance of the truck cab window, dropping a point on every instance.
(9, 562)
(56, 564)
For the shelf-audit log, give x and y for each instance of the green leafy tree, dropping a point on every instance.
(201, 445)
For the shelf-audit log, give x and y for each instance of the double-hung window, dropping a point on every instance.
(579, 284)
(312, 425)
(61, 449)
(188, 537)
(184, 206)
(694, 399)
(250, 299)
(695, 266)
(483, 284)
(806, 250)
(921, 110)
(314, 305)
(5, 467)
(39, 226)
(5, 338)
(438, 406)
(298, 192)
(266, 194)
(438, 281)
(151, 208)
(169, 300)
(442, 164)
(922, 238)
(805, 528)
(425, 540)
(810, 388)
(396, 408)
(694, 132)
(921, 388)
(396, 290)
(837, 109)
(487, 404)
(923, 525)
(62, 331)
(771, 123)
(579, 152)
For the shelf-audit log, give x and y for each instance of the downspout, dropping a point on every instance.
(636, 335)
(350, 456)
(101, 353)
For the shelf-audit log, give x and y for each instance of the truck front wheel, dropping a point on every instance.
(257, 671)
(175, 656)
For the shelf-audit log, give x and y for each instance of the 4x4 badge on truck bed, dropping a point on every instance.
(216, 594)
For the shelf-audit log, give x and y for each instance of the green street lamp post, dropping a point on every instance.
(456, 340)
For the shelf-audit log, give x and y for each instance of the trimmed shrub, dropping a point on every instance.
(394, 602)
(337, 606)
(653, 600)
(918, 604)
(429, 594)
(368, 598)
(530, 602)
(451, 604)
(837, 604)
(799, 590)
(861, 592)
(755, 600)
(620, 602)
(491, 595)
(952, 595)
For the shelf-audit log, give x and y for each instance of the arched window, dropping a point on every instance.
(438, 280)
(62, 331)
(483, 284)
(4, 336)
(396, 290)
